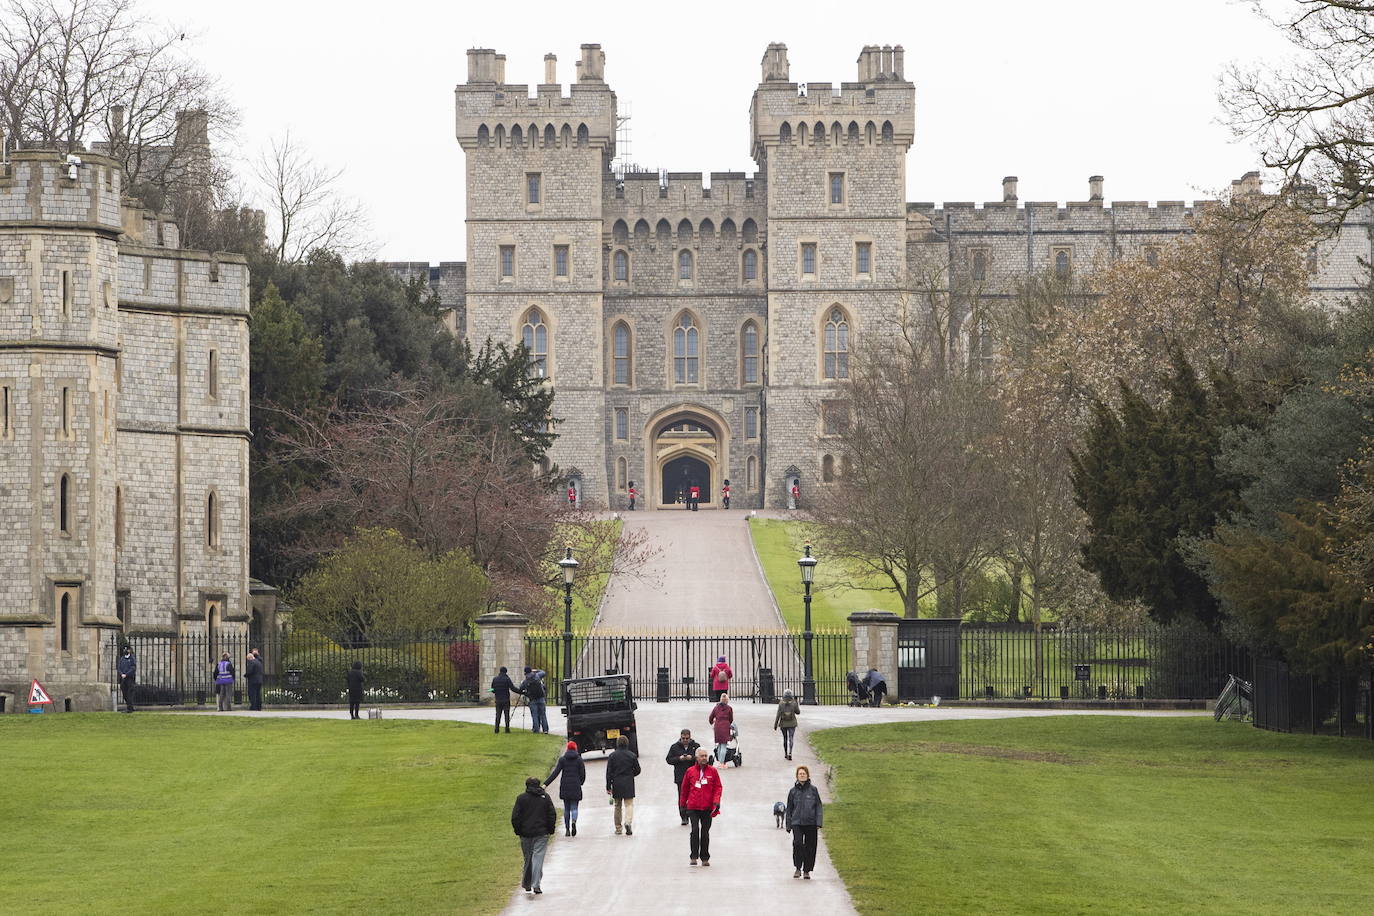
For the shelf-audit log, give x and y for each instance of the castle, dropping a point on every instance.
(696, 332)
(123, 430)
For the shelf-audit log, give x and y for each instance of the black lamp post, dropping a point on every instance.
(808, 572)
(569, 570)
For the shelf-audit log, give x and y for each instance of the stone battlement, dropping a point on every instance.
(90, 199)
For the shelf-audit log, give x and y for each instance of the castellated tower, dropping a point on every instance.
(123, 430)
(837, 237)
(535, 165)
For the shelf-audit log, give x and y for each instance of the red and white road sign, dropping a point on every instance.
(37, 695)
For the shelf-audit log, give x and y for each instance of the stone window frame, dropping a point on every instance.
(564, 249)
(64, 504)
(534, 192)
(1066, 252)
(518, 333)
(834, 418)
(622, 473)
(751, 473)
(7, 396)
(66, 290)
(618, 255)
(815, 246)
(212, 374)
(66, 624)
(699, 325)
(757, 355)
(862, 241)
(751, 421)
(612, 359)
(214, 521)
(67, 413)
(831, 176)
(119, 516)
(744, 264)
(823, 350)
(124, 607)
(620, 421)
(691, 263)
(971, 257)
(502, 249)
(828, 474)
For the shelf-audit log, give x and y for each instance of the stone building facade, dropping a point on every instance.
(123, 430)
(700, 331)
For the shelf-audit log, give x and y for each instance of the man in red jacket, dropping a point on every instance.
(700, 795)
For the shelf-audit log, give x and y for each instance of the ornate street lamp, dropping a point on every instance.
(569, 566)
(808, 572)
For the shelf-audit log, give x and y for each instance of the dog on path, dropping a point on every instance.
(779, 812)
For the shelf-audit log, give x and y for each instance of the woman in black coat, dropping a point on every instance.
(803, 821)
(355, 689)
(573, 773)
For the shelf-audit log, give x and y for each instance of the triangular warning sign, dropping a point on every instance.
(37, 695)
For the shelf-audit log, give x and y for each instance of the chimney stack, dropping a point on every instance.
(1095, 187)
(898, 66)
(1247, 186)
(593, 67)
(775, 66)
(481, 65)
(550, 69)
(500, 69)
(1009, 189)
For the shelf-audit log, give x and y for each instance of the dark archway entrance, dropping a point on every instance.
(681, 473)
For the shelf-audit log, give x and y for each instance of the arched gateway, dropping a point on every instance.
(686, 446)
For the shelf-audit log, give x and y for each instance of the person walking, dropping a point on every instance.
(224, 683)
(721, 675)
(501, 687)
(680, 757)
(621, 770)
(127, 666)
(571, 773)
(252, 676)
(355, 689)
(786, 719)
(700, 795)
(537, 697)
(803, 820)
(533, 818)
(721, 717)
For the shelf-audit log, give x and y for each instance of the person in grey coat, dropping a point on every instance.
(621, 770)
(786, 719)
(803, 819)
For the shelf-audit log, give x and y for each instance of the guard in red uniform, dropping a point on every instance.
(725, 494)
(572, 496)
(693, 497)
(796, 496)
(633, 494)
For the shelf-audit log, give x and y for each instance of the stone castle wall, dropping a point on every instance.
(115, 430)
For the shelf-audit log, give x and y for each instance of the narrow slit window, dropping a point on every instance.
(535, 336)
(119, 518)
(212, 367)
(749, 353)
(6, 424)
(622, 266)
(64, 504)
(684, 265)
(686, 344)
(621, 355)
(751, 422)
(507, 260)
(533, 187)
(622, 423)
(751, 264)
(65, 621)
(66, 411)
(211, 521)
(66, 292)
(837, 187)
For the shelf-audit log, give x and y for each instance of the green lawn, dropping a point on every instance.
(1081, 814)
(833, 595)
(159, 813)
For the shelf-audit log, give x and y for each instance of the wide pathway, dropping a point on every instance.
(751, 860)
(705, 576)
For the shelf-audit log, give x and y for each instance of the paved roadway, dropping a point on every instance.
(706, 576)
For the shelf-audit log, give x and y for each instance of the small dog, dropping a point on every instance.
(779, 813)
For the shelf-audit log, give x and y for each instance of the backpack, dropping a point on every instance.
(535, 689)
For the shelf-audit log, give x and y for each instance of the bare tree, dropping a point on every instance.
(305, 208)
(1313, 118)
(914, 503)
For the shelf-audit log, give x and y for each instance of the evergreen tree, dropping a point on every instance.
(1148, 480)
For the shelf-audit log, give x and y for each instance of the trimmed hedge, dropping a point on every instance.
(323, 675)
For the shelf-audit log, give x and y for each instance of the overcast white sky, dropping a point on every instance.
(1050, 91)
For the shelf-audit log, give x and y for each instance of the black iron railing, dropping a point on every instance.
(301, 668)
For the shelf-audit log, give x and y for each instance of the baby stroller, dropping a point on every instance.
(858, 691)
(732, 751)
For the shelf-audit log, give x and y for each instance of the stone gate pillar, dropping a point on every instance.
(502, 635)
(874, 644)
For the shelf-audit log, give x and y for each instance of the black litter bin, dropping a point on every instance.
(766, 694)
(664, 691)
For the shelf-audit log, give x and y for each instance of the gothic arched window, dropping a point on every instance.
(749, 353)
(1061, 264)
(750, 264)
(621, 264)
(686, 350)
(535, 336)
(836, 353)
(622, 354)
(684, 265)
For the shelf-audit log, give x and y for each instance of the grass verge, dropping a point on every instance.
(155, 813)
(1081, 814)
